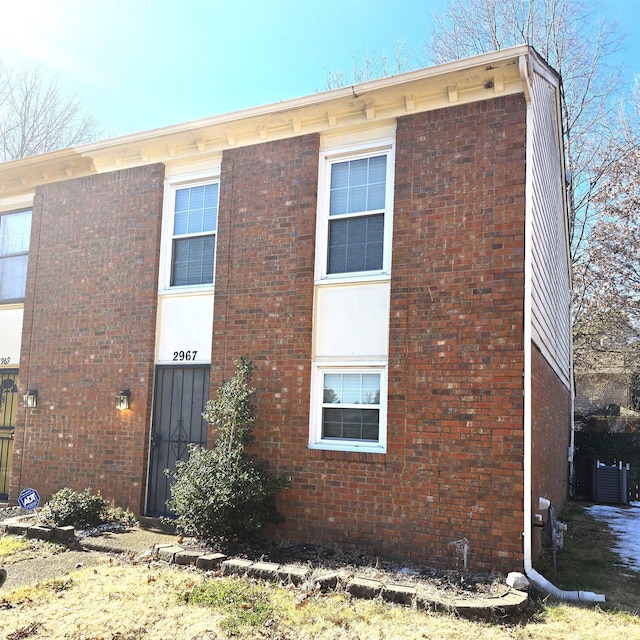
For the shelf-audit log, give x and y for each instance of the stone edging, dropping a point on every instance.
(508, 604)
(17, 527)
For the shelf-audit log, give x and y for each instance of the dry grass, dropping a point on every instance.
(125, 601)
(587, 562)
(15, 549)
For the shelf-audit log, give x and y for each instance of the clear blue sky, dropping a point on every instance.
(142, 64)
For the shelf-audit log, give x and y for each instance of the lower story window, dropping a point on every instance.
(350, 409)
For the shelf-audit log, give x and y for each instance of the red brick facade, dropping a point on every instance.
(452, 477)
(551, 412)
(453, 469)
(88, 332)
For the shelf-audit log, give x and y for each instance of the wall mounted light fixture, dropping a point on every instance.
(30, 399)
(122, 400)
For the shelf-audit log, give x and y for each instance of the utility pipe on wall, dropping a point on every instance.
(536, 578)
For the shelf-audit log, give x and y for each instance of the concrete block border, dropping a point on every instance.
(20, 527)
(358, 587)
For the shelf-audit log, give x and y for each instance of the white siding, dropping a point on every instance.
(551, 279)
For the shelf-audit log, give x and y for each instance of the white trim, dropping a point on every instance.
(315, 428)
(384, 146)
(15, 204)
(171, 186)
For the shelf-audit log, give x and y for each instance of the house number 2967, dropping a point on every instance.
(179, 356)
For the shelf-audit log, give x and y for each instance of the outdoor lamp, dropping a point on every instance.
(30, 399)
(122, 400)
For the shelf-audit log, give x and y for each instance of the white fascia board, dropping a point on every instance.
(364, 104)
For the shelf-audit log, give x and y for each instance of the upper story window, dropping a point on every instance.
(193, 224)
(15, 231)
(355, 217)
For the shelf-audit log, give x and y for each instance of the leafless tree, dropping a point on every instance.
(36, 116)
(374, 65)
(611, 271)
(569, 36)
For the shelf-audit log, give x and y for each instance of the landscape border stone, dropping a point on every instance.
(264, 571)
(293, 574)
(364, 588)
(210, 561)
(235, 566)
(398, 593)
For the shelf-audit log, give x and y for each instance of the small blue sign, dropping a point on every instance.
(29, 499)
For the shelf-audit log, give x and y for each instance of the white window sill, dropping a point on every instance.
(191, 290)
(352, 279)
(349, 447)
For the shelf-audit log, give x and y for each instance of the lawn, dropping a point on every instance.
(126, 601)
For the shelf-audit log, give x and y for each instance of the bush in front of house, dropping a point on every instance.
(83, 509)
(223, 492)
(78, 509)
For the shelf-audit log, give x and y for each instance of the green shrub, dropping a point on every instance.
(79, 509)
(223, 492)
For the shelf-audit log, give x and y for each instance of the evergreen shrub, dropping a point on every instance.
(223, 492)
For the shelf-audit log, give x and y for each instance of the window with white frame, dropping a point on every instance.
(355, 215)
(350, 409)
(194, 224)
(15, 231)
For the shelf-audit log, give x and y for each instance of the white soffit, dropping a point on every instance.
(358, 106)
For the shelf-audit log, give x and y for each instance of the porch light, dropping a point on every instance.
(122, 400)
(30, 399)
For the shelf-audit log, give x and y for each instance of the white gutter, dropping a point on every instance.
(536, 578)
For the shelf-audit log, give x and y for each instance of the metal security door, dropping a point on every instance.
(179, 399)
(8, 404)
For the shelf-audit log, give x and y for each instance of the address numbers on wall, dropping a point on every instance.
(181, 356)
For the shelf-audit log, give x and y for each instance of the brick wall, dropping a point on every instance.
(89, 331)
(264, 282)
(453, 470)
(456, 329)
(551, 413)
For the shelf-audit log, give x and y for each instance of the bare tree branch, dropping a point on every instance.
(35, 116)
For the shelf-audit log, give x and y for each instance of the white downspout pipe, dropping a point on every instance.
(536, 578)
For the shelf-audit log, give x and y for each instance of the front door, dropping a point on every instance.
(179, 399)
(8, 405)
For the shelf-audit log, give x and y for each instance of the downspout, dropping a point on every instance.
(536, 578)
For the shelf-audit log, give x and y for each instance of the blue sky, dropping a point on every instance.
(142, 64)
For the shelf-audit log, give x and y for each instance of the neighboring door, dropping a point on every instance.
(8, 405)
(179, 398)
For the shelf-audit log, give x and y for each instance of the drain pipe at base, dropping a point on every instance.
(538, 580)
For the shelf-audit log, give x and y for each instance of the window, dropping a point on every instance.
(195, 218)
(356, 216)
(15, 231)
(350, 408)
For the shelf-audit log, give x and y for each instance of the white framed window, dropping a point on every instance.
(355, 211)
(190, 228)
(349, 408)
(15, 233)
